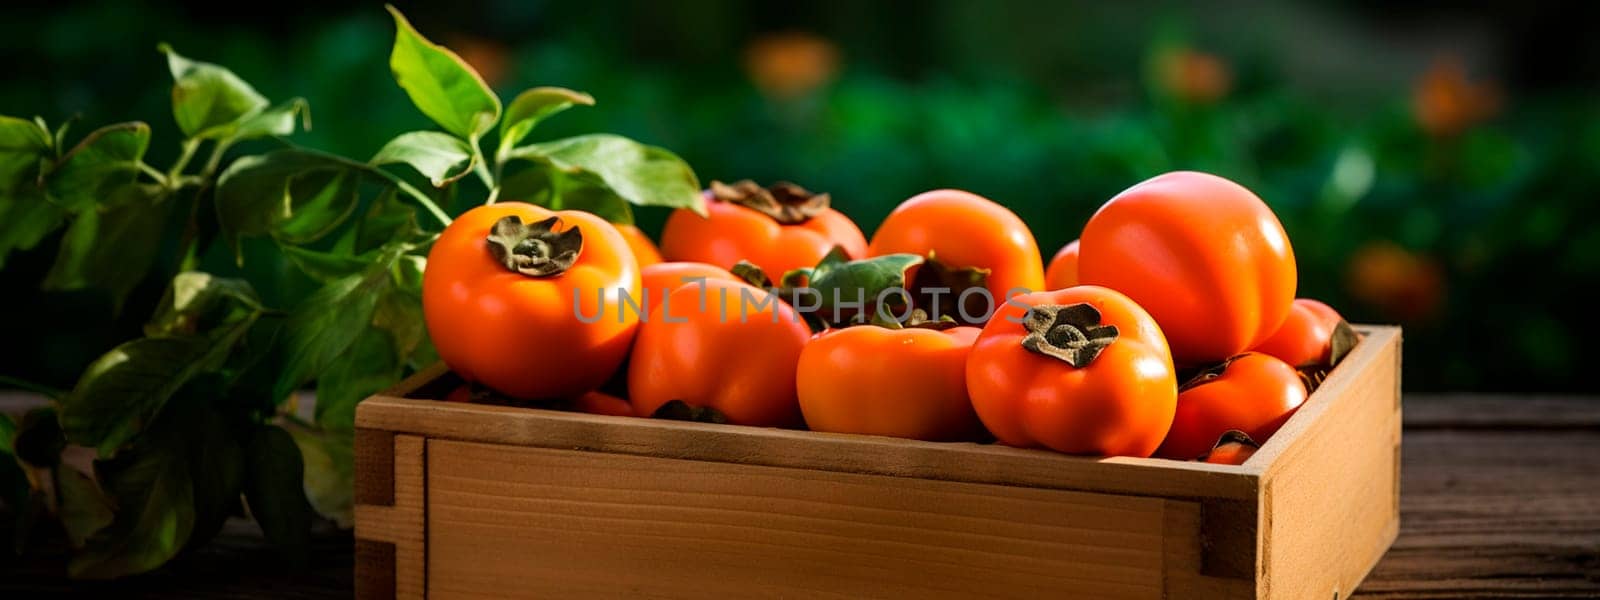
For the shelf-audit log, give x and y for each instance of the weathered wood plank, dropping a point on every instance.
(1495, 514)
(1501, 412)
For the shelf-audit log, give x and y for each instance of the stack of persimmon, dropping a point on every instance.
(1169, 328)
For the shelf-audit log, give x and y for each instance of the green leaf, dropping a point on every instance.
(38, 439)
(26, 217)
(152, 487)
(593, 198)
(329, 469)
(859, 282)
(328, 322)
(426, 355)
(368, 366)
(209, 100)
(400, 315)
(123, 390)
(85, 510)
(106, 159)
(22, 145)
(535, 105)
(60, 136)
(276, 121)
(252, 368)
(274, 488)
(324, 266)
(197, 299)
(112, 247)
(319, 202)
(643, 175)
(254, 193)
(387, 220)
(440, 84)
(217, 460)
(573, 192)
(531, 182)
(435, 155)
(408, 274)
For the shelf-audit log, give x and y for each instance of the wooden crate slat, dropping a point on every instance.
(972, 463)
(399, 525)
(1189, 547)
(535, 522)
(1331, 495)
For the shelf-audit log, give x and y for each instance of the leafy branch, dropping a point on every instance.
(197, 420)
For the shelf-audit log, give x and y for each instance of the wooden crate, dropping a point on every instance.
(462, 500)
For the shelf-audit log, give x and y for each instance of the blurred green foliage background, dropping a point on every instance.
(1434, 168)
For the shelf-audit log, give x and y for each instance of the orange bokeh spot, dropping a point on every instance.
(488, 57)
(785, 65)
(1446, 103)
(1406, 286)
(1194, 76)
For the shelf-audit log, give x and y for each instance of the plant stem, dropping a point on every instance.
(154, 173)
(416, 194)
(215, 159)
(481, 169)
(189, 253)
(400, 184)
(480, 166)
(189, 148)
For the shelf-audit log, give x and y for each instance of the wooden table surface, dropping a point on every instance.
(1500, 498)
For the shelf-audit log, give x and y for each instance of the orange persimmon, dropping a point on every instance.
(1306, 337)
(722, 345)
(658, 280)
(1063, 270)
(644, 250)
(978, 243)
(779, 228)
(1253, 393)
(908, 383)
(502, 294)
(1202, 254)
(1082, 370)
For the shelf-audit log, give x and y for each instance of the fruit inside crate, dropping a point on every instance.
(460, 498)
